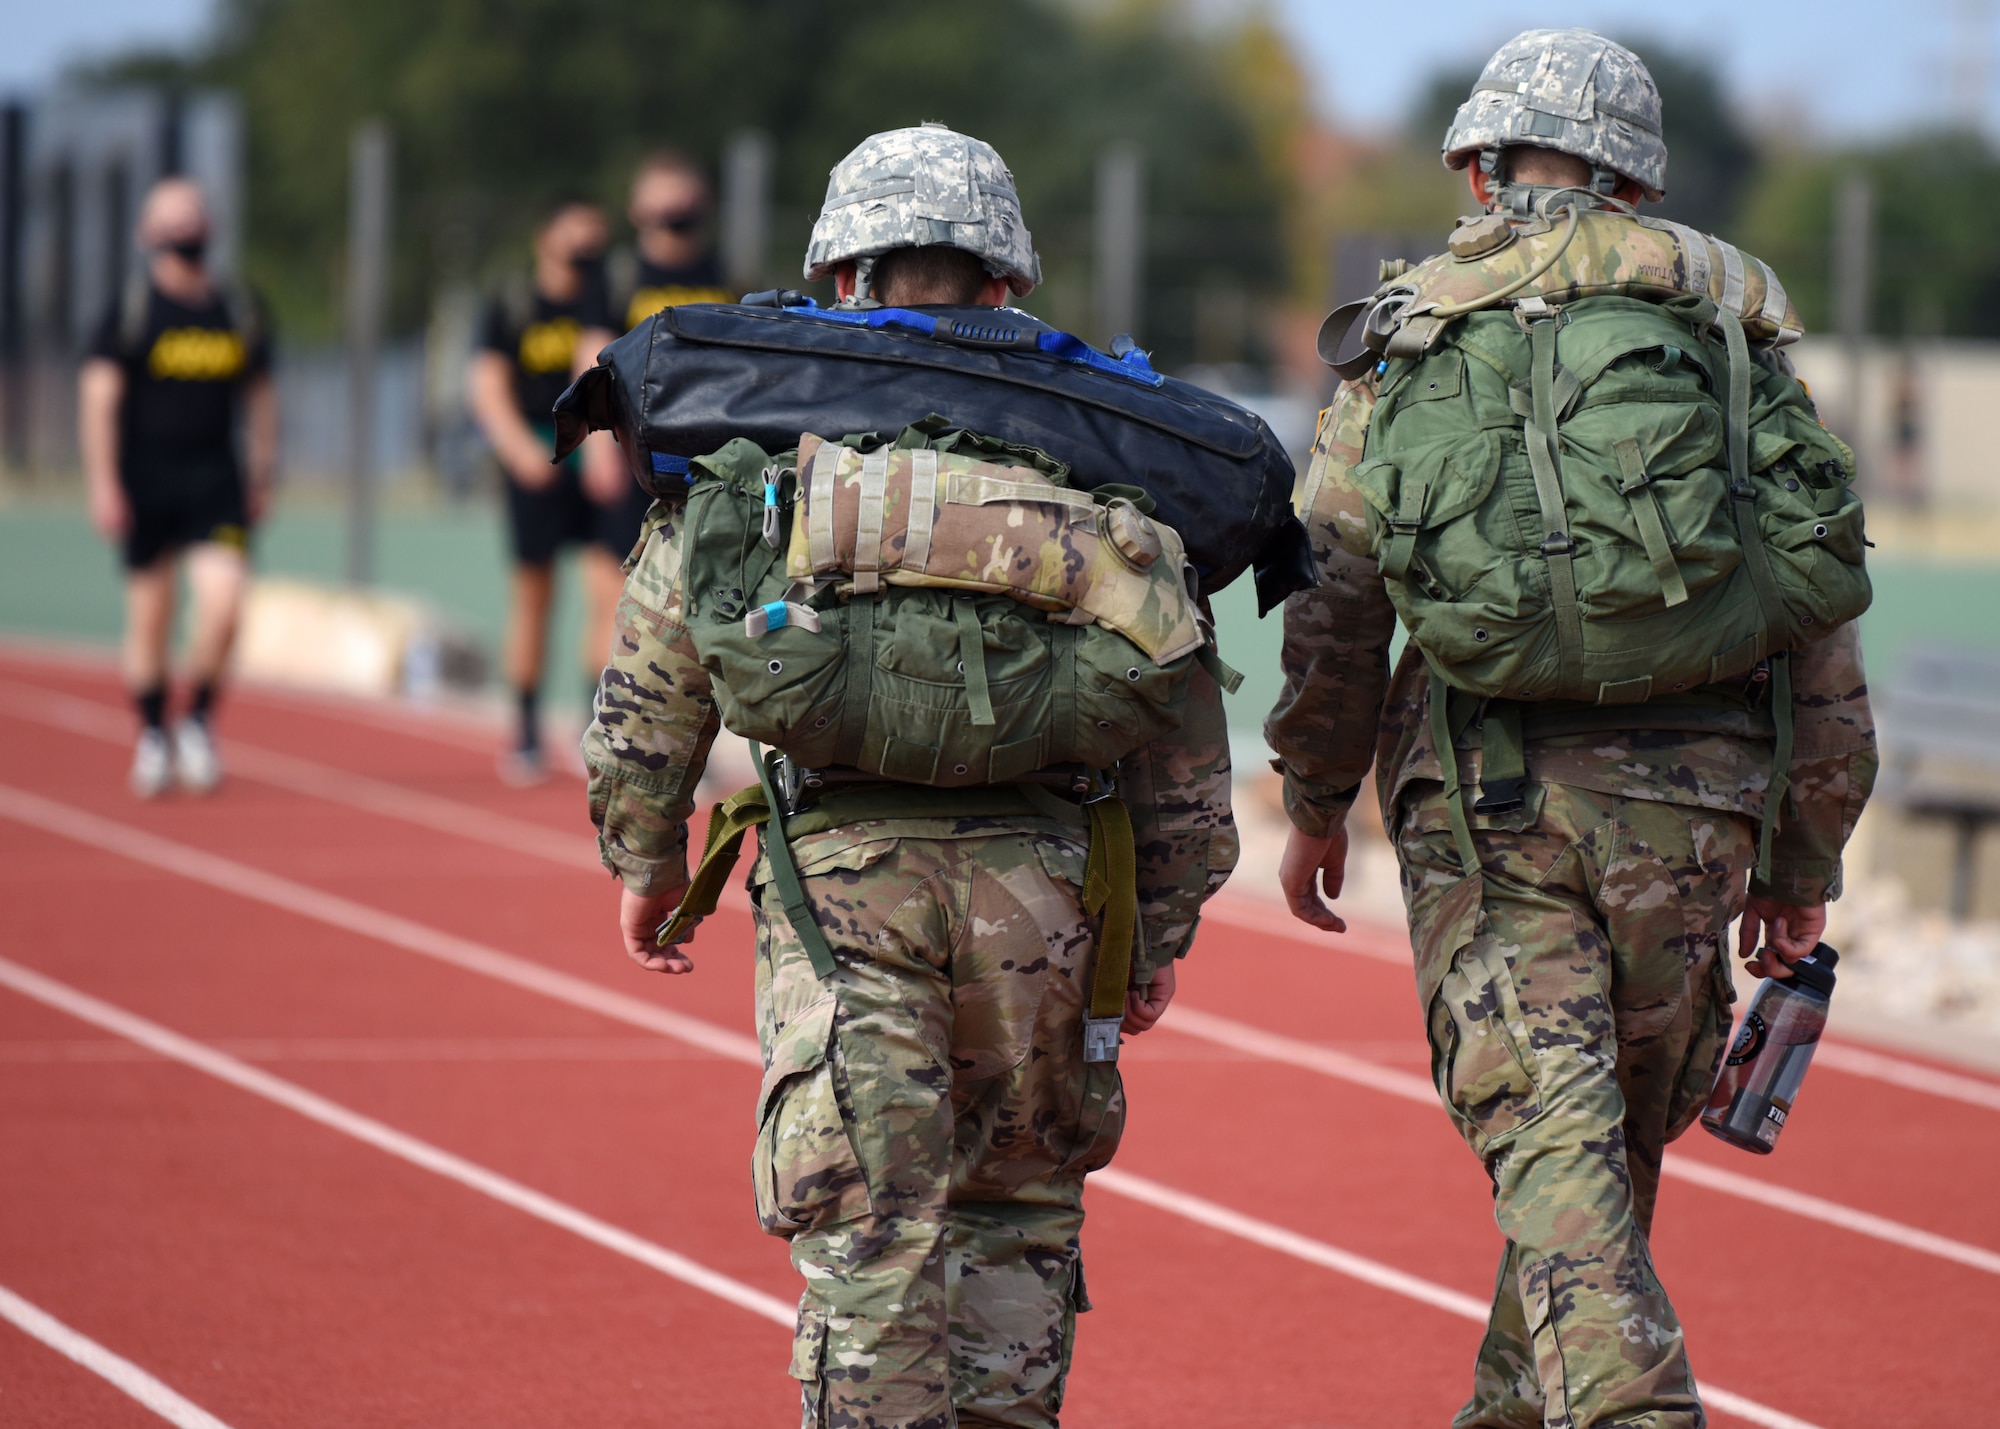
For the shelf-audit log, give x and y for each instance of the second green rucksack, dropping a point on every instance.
(1608, 500)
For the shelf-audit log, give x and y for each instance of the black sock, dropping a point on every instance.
(203, 701)
(152, 703)
(531, 723)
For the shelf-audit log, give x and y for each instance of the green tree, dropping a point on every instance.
(1937, 209)
(499, 107)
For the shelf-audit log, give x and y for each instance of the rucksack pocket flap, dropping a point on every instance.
(1440, 480)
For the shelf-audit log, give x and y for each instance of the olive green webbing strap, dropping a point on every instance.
(728, 821)
(1503, 759)
(1557, 546)
(1741, 492)
(1110, 887)
(785, 873)
(854, 699)
(972, 660)
(1637, 489)
(1447, 757)
(732, 818)
(1781, 761)
(1219, 670)
(1062, 683)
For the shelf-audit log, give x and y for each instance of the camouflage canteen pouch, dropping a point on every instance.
(1603, 495)
(1003, 622)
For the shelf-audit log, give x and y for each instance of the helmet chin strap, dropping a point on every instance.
(864, 278)
(1520, 198)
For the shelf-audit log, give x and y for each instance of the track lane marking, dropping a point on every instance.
(334, 910)
(282, 893)
(1372, 1272)
(251, 883)
(204, 1058)
(73, 715)
(1273, 1046)
(108, 1366)
(1241, 913)
(383, 1137)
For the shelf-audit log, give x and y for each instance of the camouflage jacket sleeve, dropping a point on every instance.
(1833, 770)
(1177, 790)
(1336, 644)
(655, 720)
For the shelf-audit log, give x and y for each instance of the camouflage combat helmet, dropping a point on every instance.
(908, 188)
(1568, 90)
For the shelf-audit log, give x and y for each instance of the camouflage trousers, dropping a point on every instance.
(1577, 999)
(926, 1122)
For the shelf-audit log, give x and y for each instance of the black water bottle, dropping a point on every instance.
(1767, 1061)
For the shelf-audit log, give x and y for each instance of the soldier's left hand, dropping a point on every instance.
(1793, 932)
(1144, 1006)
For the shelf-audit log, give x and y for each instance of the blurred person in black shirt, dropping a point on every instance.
(673, 213)
(175, 367)
(530, 347)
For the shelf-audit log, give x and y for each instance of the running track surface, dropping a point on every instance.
(331, 1100)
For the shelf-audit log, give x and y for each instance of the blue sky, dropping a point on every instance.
(1845, 67)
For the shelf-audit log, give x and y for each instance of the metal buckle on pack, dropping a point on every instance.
(798, 786)
(1558, 543)
(1100, 1038)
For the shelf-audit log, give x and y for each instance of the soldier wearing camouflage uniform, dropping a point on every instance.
(1576, 985)
(927, 1117)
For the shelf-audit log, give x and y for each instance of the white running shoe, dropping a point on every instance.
(522, 768)
(199, 766)
(152, 765)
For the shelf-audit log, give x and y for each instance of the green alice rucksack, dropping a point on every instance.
(1608, 502)
(946, 626)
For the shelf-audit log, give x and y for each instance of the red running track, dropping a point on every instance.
(276, 1270)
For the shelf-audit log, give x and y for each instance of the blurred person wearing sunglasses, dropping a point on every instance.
(178, 373)
(673, 214)
(534, 334)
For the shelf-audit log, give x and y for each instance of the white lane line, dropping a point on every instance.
(320, 781)
(297, 898)
(1914, 1076)
(331, 1114)
(290, 1095)
(449, 816)
(1370, 1272)
(282, 893)
(115, 1369)
(1242, 1037)
(330, 908)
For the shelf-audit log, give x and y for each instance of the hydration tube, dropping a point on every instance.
(1473, 305)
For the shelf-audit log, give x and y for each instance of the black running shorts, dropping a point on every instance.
(178, 502)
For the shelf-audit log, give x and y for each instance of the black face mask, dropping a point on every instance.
(589, 267)
(192, 249)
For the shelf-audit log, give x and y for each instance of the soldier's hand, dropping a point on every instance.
(1792, 932)
(1309, 866)
(1144, 1006)
(639, 919)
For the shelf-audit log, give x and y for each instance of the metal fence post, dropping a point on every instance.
(367, 295)
(746, 208)
(1121, 239)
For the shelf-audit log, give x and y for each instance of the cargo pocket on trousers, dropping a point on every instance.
(808, 1351)
(1075, 1304)
(1538, 1307)
(805, 1170)
(1478, 1047)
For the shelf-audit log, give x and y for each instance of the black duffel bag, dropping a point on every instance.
(691, 378)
